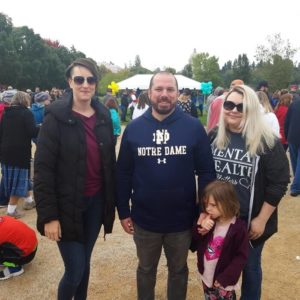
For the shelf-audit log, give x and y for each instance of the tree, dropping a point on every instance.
(170, 70)
(187, 71)
(296, 75)
(137, 61)
(227, 73)
(206, 68)
(109, 77)
(53, 44)
(8, 57)
(277, 46)
(241, 68)
(277, 72)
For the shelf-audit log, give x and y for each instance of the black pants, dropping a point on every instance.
(9, 255)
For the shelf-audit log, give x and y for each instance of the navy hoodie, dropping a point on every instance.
(156, 168)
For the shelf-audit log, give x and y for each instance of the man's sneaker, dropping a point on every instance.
(16, 214)
(29, 205)
(11, 272)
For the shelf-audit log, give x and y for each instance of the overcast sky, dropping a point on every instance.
(163, 33)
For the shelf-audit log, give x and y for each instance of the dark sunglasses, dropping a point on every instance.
(229, 105)
(80, 80)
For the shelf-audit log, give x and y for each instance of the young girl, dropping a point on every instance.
(222, 241)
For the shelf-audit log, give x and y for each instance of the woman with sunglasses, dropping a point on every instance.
(74, 183)
(248, 154)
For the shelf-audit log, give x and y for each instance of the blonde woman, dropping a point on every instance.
(248, 154)
(268, 113)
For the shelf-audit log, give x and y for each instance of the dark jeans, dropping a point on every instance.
(252, 275)
(124, 113)
(149, 246)
(295, 162)
(77, 256)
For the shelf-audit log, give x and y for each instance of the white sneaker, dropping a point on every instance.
(29, 205)
(16, 214)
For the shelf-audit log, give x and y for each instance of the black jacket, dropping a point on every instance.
(292, 124)
(17, 128)
(60, 167)
(272, 176)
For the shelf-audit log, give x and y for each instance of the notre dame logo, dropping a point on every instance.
(161, 136)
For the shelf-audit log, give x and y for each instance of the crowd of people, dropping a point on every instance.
(177, 185)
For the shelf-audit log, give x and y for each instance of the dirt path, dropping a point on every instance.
(114, 263)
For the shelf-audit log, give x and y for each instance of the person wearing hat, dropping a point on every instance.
(41, 100)
(17, 128)
(74, 176)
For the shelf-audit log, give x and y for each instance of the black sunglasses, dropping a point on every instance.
(229, 105)
(80, 80)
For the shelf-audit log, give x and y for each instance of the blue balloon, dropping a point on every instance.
(206, 87)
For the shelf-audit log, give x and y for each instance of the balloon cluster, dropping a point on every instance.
(206, 87)
(114, 87)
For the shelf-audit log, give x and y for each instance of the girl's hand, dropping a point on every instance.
(207, 223)
(217, 284)
(200, 229)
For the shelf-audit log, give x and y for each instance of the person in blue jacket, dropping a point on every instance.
(41, 100)
(114, 114)
(162, 154)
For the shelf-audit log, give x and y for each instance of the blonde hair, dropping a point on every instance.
(264, 101)
(256, 132)
(21, 99)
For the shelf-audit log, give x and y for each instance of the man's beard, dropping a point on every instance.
(163, 111)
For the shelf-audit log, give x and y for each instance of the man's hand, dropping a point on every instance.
(127, 225)
(53, 231)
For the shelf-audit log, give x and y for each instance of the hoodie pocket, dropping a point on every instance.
(157, 204)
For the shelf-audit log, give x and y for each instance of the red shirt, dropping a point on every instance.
(280, 114)
(19, 235)
(93, 179)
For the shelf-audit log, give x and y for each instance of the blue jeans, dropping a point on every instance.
(295, 162)
(124, 113)
(77, 256)
(252, 275)
(149, 246)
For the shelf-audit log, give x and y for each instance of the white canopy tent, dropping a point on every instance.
(142, 81)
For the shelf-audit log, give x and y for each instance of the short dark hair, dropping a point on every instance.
(84, 62)
(162, 72)
(262, 83)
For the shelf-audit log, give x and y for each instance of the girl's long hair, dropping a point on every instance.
(257, 133)
(142, 100)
